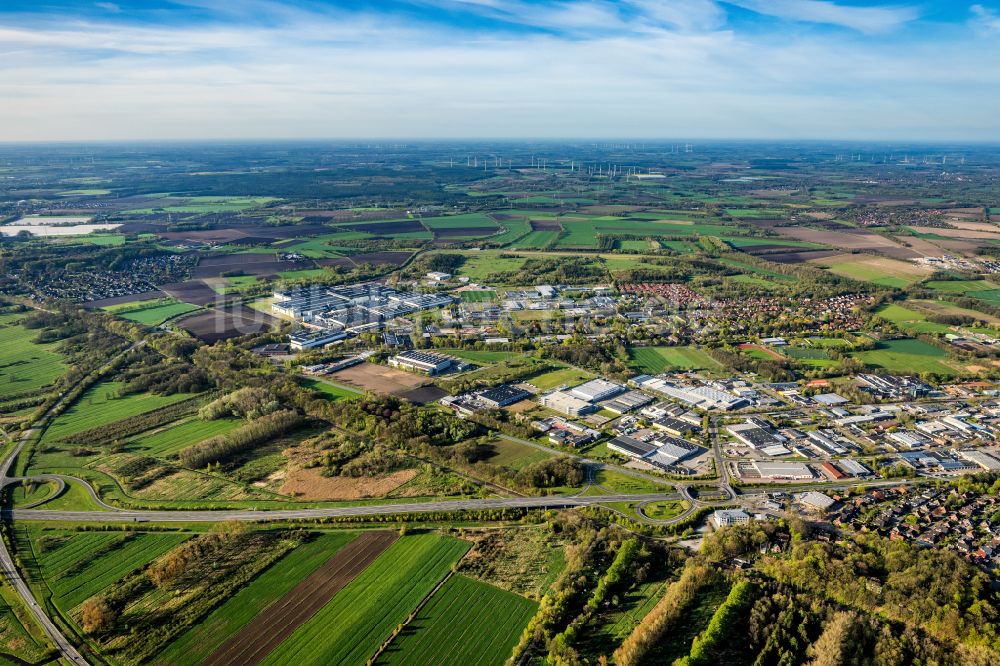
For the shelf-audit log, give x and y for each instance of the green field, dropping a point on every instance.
(561, 377)
(198, 642)
(990, 296)
(654, 360)
(536, 240)
(165, 441)
(516, 228)
(910, 320)
(960, 286)
(304, 274)
(25, 367)
(466, 622)
(482, 296)
(479, 266)
(330, 390)
(155, 315)
(459, 221)
(372, 605)
(906, 356)
(101, 404)
(515, 455)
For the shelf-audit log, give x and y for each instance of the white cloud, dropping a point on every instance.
(320, 75)
(863, 19)
(985, 19)
(108, 6)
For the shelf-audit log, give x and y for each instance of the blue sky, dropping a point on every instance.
(192, 69)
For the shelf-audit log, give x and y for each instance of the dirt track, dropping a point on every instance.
(279, 620)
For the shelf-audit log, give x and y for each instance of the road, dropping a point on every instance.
(11, 574)
(553, 502)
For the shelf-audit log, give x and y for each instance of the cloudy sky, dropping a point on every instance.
(178, 69)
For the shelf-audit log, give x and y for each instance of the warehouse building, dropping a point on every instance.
(503, 395)
(567, 404)
(311, 339)
(429, 363)
(788, 471)
(597, 390)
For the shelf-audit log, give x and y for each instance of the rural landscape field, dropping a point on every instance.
(410, 396)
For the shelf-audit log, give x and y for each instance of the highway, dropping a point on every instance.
(66, 649)
(553, 502)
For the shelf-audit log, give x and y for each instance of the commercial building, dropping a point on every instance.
(353, 307)
(816, 500)
(701, 397)
(788, 471)
(627, 402)
(983, 459)
(503, 395)
(726, 517)
(311, 339)
(597, 390)
(430, 363)
(438, 276)
(567, 404)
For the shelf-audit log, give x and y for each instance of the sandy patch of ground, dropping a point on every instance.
(520, 407)
(310, 484)
(380, 378)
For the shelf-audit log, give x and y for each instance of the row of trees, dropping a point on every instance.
(244, 438)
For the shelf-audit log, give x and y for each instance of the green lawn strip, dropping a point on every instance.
(331, 390)
(101, 404)
(171, 439)
(352, 626)
(466, 622)
(201, 640)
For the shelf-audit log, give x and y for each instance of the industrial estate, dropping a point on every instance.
(491, 403)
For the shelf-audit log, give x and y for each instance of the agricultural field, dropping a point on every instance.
(536, 240)
(77, 565)
(909, 320)
(102, 404)
(907, 356)
(202, 640)
(654, 360)
(157, 314)
(882, 271)
(372, 605)
(465, 622)
(25, 367)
